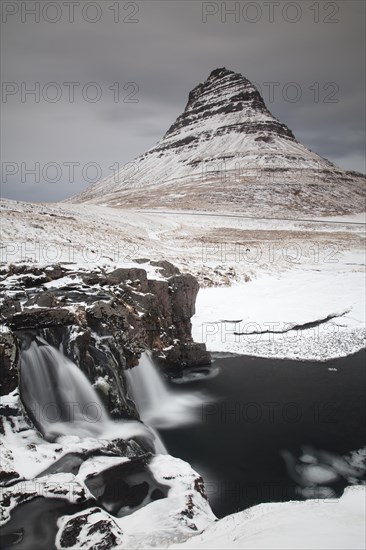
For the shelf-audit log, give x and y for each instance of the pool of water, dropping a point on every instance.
(257, 412)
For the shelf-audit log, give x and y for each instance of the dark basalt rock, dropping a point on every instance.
(9, 362)
(9, 307)
(138, 277)
(167, 268)
(104, 323)
(44, 299)
(41, 318)
(105, 531)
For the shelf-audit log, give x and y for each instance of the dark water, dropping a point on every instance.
(257, 408)
(33, 525)
(254, 410)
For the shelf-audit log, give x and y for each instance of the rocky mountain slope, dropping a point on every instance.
(227, 152)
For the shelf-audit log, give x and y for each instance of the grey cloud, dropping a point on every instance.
(168, 53)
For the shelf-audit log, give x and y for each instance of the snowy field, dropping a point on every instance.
(270, 287)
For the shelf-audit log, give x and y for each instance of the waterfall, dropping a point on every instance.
(158, 404)
(61, 401)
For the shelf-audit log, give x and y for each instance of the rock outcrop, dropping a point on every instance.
(91, 489)
(101, 321)
(9, 360)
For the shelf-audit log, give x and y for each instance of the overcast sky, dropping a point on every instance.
(158, 51)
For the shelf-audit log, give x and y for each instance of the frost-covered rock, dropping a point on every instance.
(92, 528)
(103, 494)
(184, 513)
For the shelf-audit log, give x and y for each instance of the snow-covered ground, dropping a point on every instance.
(311, 525)
(277, 273)
(300, 315)
(95, 236)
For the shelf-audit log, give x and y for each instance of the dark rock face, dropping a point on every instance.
(9, 362)
(102, 322)
(41, 318)
(209, 99)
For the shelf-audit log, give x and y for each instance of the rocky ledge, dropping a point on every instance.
(86, 492)
(102, 321)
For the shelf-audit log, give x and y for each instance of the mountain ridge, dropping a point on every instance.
(226, 151)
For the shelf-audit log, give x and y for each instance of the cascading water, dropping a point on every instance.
(58, 394)
(61, 401)
(158, 405)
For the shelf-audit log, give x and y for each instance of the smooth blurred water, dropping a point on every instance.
(159, 404)
(61, 401)
(262, 415)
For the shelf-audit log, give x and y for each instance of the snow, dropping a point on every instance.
(95, 526)
(97, 464)
(297, 271)
(164, 521)
(279, 304)
(311, 525)
(64, 281)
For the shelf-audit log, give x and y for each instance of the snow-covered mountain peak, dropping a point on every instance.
(227, 152)
(226, 85)
(223, 92)
(225, 103)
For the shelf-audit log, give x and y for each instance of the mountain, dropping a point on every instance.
(227, 152)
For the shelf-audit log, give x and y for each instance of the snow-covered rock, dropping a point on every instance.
(71, 472)
(103, 320)
(183, 514)
(92, 528)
